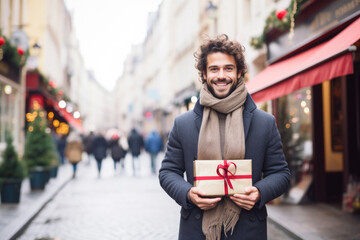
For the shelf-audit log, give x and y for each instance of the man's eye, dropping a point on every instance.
(213, 69)
(229, 68)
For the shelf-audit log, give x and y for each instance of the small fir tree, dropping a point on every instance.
(11, 167)
(39, 147)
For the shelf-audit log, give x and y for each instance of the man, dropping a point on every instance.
(153, 145)
(88, 145)
(99, 148)
(225, 124)
(136, 143)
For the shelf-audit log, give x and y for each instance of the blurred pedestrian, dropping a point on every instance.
(125, 146)
(60, 144)
(99, 147)
(88, 140)
(153, 145)
(136, 143)
(117, 152)
(73, 150)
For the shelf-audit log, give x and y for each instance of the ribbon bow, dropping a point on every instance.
(227, 174)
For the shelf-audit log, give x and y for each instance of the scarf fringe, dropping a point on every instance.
(230, 220)
(214, 232)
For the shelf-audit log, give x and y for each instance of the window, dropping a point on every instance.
(295, 126)
(9, 112)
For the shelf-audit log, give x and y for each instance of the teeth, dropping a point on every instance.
(221, 84)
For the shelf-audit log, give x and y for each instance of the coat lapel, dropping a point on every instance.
(247, 120)
(198, 110)
(250, 106)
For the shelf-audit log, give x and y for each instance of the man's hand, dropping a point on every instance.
(204, 203)
(248, 199)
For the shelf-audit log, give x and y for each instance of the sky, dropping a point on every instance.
(106, 30)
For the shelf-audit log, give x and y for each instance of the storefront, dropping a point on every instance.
(39, 95)
(12, 99)
(313, 84)
(10, 109)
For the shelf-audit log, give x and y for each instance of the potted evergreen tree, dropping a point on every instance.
(39, 151)
(12, 173)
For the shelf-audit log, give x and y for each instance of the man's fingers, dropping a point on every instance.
(249, 190)
(211, 200)
(206, 204)
(208, 201)
(197, 191)
(243, 198)
(244, 201)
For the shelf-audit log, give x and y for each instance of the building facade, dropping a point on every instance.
(12, 72)
(318, 127)
(312, 80)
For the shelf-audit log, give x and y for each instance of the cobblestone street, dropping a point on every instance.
(114, 206)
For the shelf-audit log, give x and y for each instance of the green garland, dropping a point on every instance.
(273, 22)
(11, 55)
(53, 91)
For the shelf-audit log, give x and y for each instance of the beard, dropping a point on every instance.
(211, 89)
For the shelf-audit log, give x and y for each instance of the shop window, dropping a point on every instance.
(9, 112)
(295, 126)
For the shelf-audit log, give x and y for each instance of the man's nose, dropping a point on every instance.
(221, 74)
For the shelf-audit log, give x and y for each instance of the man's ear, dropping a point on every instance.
(239, 74)
(204, 74)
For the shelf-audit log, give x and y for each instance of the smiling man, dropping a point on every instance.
(225, 124)
(221, 74)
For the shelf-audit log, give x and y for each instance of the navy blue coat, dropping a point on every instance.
(270, 171)
(153, 142)
(99, 146)
(136, 142)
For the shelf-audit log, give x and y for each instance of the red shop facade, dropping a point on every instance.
(312, 85)
(38, 94)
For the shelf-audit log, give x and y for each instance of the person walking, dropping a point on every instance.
(116, 151)
(99, 147)
(73, 150)
(125, 146)
(60, 145)
(136, 143)
(88, 140)
(224, 124)
(153, 145)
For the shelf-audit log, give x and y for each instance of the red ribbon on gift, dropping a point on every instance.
(227, 175)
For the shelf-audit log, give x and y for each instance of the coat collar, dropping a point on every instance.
(250, 106)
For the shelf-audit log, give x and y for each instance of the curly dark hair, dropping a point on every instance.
(221, 43)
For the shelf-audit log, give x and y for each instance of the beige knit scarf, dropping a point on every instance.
(226, 213)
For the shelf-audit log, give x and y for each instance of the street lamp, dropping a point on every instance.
(36, 49)
(211, 12)
(32, 61)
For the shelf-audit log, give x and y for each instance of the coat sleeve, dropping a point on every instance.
(276, 174)
(171, 174)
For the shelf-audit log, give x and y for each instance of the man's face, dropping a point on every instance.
(221, 74)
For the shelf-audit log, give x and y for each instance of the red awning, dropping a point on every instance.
(68, 117)
(325, 61)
